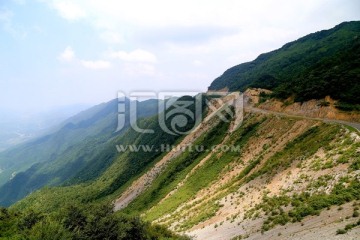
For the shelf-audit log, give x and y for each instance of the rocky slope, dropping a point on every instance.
(284, 177)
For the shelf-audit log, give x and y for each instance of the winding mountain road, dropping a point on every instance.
(355, 125)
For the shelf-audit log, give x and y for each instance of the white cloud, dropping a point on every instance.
(69, 10)
(137, 55)
(67, 55)
(215, 34)
(136, 63)
(253, 24)
(139, 69)
(112, 37)
(96, 65)
(184, 13)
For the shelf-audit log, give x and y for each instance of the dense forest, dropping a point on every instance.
(95, 221)
(312, 67)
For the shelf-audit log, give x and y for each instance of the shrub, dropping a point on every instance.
(324, 104)
(340, 231)
(355, 214)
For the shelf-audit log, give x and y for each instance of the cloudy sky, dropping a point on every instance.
(63, 52)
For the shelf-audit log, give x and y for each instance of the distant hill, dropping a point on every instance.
(320, 64)
(57, 157)
(19, 127)
(99, 171)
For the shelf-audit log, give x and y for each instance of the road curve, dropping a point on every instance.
(355, 125)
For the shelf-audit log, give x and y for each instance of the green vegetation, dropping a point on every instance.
(324, 103)
(312, 67)
(87, 173)
(340, 231)
(195, 177)
(321, 182)
(305, 204)
(348, 106)
(176, 171)
(152, 204)
(80, 150)
(125, 168)
(78, 222)
(207, 173)
(302, 147)
(264, 96)
(348, 227)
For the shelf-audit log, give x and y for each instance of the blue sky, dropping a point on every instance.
(63, 52)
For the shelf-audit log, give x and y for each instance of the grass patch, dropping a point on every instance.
(301, 147)
(305, 204)
(177, 169)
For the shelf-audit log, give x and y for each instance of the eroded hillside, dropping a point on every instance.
(284, 176)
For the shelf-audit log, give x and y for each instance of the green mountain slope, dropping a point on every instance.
(81, 145)
(276, 175)
(50, 146)
(79, 222)
(125, 167)
(312, 67)
(278, 162)
(287, 169)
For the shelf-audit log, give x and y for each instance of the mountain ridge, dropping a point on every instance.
(60, 156)
(276, 176)
(312, 67)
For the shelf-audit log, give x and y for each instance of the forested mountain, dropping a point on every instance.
(274, 175)
(320, 64)
(81, 141)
